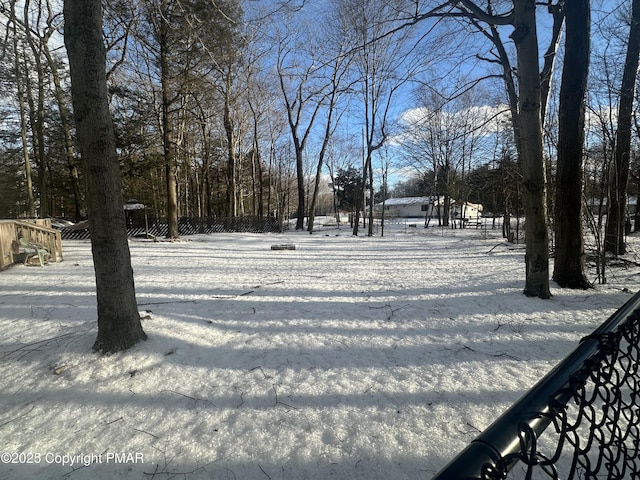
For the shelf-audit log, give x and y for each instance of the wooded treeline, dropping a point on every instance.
(233, 108)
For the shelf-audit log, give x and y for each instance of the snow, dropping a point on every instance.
(348, 357)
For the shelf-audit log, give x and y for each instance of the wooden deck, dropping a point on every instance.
(36, 231)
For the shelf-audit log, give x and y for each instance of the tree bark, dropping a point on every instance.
(168, 127)
(119, 324)
(300, 187)
(232, 174)
(527, 107)
(531, 154)
(569, 258)
(616, 216)
(18, 72)
(37, 115)
(66, 130)
(546, 73)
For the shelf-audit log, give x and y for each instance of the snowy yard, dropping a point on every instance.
(347, 358)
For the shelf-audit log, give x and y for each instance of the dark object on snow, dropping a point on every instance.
(283, 247)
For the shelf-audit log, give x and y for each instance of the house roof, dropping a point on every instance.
(406, 201)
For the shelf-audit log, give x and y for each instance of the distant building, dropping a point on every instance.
(466, 210)
(427, 207)
(408, 207)
(594, 205)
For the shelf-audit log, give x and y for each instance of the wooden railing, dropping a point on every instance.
(36, 231)
(7, 237)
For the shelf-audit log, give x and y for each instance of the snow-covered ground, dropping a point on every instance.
(346, 358)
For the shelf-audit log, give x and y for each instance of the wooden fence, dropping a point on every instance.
(36, 231)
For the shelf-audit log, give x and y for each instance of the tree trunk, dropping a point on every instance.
(529, 111)
(531, 154)
(31, 205)
(314, 195)
(546, 73)
(119, 324)
(232, 174)
(359, 204)
(168, 132)
(616, 217)
(66, 130)
(38, 117)
(569, 259)
(171, 184)
(371, 199)
(258, 165)
(300, 187)
(323, 151)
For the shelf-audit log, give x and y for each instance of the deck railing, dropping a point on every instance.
(581, 421)
(35, 231)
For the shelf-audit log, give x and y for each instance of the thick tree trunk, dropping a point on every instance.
(616, 217)
(569, 259)
(171, 183)
(168, 129)
(531, 154)
(119, 324)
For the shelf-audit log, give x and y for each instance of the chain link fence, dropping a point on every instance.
(581, 421)
(186, 226)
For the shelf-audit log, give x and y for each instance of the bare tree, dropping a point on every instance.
(166, 44)
(383, 66)
(440, 138)
(569, 258)
(338, 68)
(303, 98)
(19, 72)
(531, 154)
(268, 122)
(619, 176)
(119, 324)
(53, 23)
(37, 105)
(218, 35)
(527, 115)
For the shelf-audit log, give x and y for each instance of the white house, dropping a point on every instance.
(427, 207)
(466, 210)
(409, 207)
